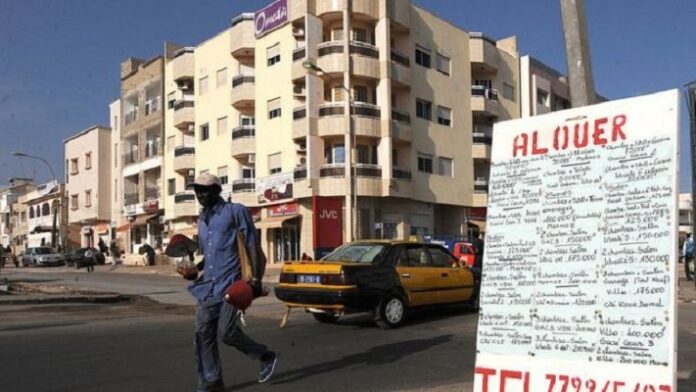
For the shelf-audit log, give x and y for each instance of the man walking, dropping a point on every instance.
(89, 260)
(688, 252)
(218, 226)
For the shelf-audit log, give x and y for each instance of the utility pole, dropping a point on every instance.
(582, 91)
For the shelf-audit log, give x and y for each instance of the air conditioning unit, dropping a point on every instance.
(191, 128)
(297, 32)
(252, 158)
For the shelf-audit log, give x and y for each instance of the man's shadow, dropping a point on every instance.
(378, 355)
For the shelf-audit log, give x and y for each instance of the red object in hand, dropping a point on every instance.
(239, 295)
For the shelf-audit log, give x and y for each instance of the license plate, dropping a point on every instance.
(309, 279)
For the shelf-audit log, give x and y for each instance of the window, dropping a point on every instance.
(115, 154)
(31, 213)
(203, 85)
(337, 34)
(335, 154)
(445, 166)
(425, 163)
(204, 132)
(443, 64)
(248, 172)
(273, 54)
(88, 198)
(359, 94)
(88, 160)
(485, 83)
(444, 116)
(73, 202)
(45, 209)
(247, 120)
(171, 186)
(422, 56)
(359, 35)
(171, 141)
(509, 91)
(73, 166)
(274, 163)
(221, 125)
(366, 154)
(395, 157)
(424, 109)
(273, 107)
(221, 77)
(440, 257)
(542, 97)
(222, 175)
(116, 190)
(23, 217)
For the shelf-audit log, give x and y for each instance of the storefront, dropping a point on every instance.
(280, 231)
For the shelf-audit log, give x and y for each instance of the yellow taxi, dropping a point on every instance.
(382, 277)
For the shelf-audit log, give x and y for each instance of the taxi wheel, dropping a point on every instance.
(390, 312)
(328, 318)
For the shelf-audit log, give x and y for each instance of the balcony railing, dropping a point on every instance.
(401, 115)
(300, 173)
(359, 109)
(481, 184)
(482, 138)
(368, 170)
(131, 198)
(400, 58)
(244, 185)
(485, 92)
(130, 117)
(299, 113)
(185, 197)
(184, 150)
(152, 193)
(241, 79)
(356, 47)
(183, 103)
(332, 170)
(401, 174)
(243, 131)
(152, 149)
(299, 54)
(152, 106)
(131, 156)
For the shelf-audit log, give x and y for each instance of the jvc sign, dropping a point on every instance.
(271, 17)
(327, 224)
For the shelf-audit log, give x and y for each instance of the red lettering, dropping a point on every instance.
(513, 374)
(618, 384)
(535, 145)
(597, 136)
(552, 381)
(665, 388)
(577, 134)
(616, 128)
(558, 133)
(520, 143)
(485, 372)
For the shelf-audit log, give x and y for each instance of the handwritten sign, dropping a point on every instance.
(579, 276)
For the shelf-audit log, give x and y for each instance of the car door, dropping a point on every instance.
(417, 274)
(455, 284)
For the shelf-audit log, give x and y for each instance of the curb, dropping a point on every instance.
(52, 299)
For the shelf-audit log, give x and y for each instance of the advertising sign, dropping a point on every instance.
(579, 278)
(274, 188)
(271, 17)
(327, 224)
(282, 209)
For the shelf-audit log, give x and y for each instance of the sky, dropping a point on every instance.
(59, 60)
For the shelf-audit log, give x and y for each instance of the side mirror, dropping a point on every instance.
(180, 246)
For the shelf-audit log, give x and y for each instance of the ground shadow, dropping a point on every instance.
(378, 355)
(687, 384)
(414, 317)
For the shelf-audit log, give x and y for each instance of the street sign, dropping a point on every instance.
(579, 278)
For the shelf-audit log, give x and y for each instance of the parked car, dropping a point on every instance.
(382, 277)
(42, 255)
(461, 248)
(76, 257)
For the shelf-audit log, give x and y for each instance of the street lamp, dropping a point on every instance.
(60, 195)
(351, 157)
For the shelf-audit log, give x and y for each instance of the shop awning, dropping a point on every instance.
(123, 227)
(42, 229)
(189, 232)
(139, 221)
(275, 221)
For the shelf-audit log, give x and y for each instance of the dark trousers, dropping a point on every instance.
(90, 266)
(688, 259)
(219, 320)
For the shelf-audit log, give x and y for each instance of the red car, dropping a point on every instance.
(465, 252)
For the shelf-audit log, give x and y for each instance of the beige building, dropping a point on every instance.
(88, 183)
(542, 88)
(9, 202)
(268, 111)
(118, 219)
(44, 206)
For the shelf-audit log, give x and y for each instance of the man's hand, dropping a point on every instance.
(256, 287)
(189, 273)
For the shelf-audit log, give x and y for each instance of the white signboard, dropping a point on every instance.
(274, 188)
(579, 277)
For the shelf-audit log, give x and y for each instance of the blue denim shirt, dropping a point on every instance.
(217, 238)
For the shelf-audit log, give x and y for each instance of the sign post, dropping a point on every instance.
(579, 278)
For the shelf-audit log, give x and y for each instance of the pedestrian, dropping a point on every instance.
(306, 257)
(149, 252)
(115, 252)
(218, 225)
(102, 246)
(688, 253)
(89, 259)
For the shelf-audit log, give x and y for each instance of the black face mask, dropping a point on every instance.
(207, 196)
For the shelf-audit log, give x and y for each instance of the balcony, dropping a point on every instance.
(153, 149)
(400, 14)
(332, 170)
(131, 157)
(401, 125)
(182, 64)
(243, 141)
(400, 69)
(184, 113)
(132, 198)
(185, 204)
(368, 170)
(243, 94)
(130, 116)
(298, 57)
(401, 174)
(153, 106)
(368, 8)
(484, 100)
(299, 124)
(300, 173)
(184, 158)
(242, 37)
(484, 53)
(365, 58)
(481, 184)
(244, 185)
(366, 119)
(152, 192)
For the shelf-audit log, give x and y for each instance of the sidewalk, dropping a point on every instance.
(271, 275)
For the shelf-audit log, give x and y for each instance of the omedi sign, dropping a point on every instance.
(271, 17)
(579, 276)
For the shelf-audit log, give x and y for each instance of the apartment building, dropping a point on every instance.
(542, 88)
(141, 131)
(44, 206)
(8, 203)
(686, 221)
(88, 184)
(266, 105)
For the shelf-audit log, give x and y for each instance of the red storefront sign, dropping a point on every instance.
(151, 206)
(255, 213)
(477, 213)
(282, 209)
(327, 224)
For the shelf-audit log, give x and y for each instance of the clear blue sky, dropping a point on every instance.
(59, 60)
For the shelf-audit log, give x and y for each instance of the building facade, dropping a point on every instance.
(9, 197)
(88, 184)
(46, 218)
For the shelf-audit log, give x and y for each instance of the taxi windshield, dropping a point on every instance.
(356, 253)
